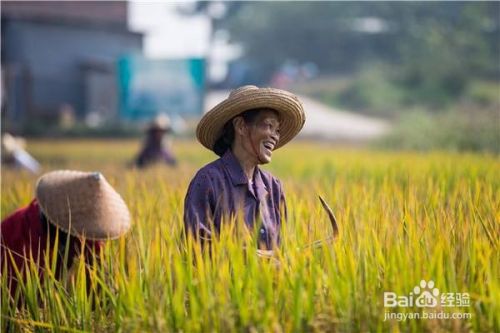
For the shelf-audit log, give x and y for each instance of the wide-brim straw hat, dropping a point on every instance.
(290, 110)
(82, 204)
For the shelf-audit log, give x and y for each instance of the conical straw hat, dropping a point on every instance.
(83, 204)
(245, 98)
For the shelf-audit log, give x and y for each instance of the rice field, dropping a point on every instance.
(403, 217)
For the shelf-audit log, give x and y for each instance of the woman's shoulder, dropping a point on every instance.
(269, 178)
(22, 225)
(210, 171)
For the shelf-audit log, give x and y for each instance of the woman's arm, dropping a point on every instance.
(199, 206)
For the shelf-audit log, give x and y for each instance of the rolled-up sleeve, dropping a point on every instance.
(199, 206)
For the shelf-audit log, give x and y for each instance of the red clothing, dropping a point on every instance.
(24, 236)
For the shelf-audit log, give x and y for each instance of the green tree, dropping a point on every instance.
(433, 48)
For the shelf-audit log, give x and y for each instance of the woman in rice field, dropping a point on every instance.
(243, 130)
(81, 208)
(155, 149)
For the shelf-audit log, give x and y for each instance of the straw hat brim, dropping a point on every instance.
(82, 204)
(288, 106)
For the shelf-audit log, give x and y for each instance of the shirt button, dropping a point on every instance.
(262, 231)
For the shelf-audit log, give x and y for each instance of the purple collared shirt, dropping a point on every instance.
(221, 191)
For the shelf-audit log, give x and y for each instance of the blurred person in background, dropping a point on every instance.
(72, 210)
(243, 130)
(14, 154)
(156, 149)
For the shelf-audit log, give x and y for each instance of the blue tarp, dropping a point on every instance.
(150, 86)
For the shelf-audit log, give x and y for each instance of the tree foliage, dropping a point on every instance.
(434, 48)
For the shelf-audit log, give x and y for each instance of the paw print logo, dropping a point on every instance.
(427, 294)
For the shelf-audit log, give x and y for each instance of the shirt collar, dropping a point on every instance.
(234, 169)
(237, 175)
(260, 186)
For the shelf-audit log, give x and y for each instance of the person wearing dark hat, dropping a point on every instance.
(80, 207)
(243, 130)
(155, 150)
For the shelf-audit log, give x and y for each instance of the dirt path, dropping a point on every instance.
(326, 123)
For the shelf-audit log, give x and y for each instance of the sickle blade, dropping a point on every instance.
(331, 216)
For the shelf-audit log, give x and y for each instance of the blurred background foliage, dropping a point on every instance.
(385, 59)
(433, 49)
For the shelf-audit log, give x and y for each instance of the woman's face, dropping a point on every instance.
(263, 135)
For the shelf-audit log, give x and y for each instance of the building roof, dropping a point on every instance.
(102, 13)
